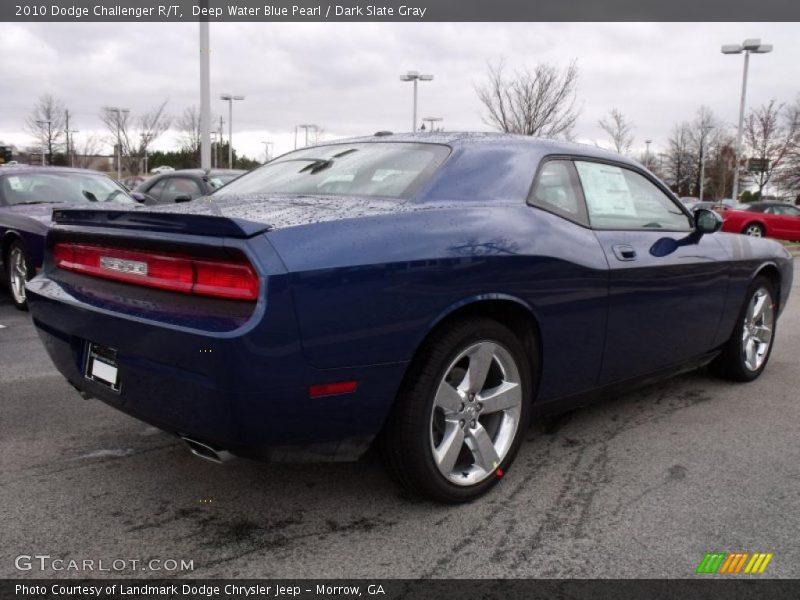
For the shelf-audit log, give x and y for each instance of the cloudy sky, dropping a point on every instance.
(345, 77)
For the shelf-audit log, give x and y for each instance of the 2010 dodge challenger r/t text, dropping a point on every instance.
(425, 292)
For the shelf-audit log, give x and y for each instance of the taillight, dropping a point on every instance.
(232, 279)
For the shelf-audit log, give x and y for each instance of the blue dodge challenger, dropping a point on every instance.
(425, 292)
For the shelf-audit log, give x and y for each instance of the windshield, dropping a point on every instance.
(216, 181)
(392, 170)
(60, 188)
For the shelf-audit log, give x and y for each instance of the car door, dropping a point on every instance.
(784, 222)
(665, 299)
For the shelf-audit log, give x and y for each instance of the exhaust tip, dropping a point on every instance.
(206, 451)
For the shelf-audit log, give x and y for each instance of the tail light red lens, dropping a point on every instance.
(232, 279)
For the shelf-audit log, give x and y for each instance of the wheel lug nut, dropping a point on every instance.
(461, 408)
(480, 406)
(462, 423)
(472, 423)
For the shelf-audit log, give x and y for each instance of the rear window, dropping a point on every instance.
(393, 170)
(60, 188)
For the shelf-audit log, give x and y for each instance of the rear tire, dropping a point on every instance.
(746, 353)
(19, 271)
(461, 413)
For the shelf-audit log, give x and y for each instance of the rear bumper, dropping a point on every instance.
(245, 390)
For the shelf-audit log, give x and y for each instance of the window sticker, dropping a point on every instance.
(606, 189)
(15, 183)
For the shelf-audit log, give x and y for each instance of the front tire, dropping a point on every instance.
(461, 413)
(754, 230)
(19, 271)
(747, 352)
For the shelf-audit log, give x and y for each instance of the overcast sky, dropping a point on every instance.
(345, 77)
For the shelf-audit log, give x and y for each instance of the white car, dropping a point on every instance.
(163, 169)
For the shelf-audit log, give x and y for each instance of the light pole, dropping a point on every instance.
(415, 77)
(118, 112)
(747, 47)
(205, 93)
(44, 140)
(266, 150)
(146, 137)
(430, 121)
(306, 127)
(230, 98)
(647, 153)
(703, 132)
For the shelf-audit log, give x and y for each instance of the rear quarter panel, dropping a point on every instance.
(368, 291)
(748, 256)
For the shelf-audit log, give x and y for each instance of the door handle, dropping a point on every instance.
(624, 251)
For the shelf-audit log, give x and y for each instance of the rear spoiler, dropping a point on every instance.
(157, 221)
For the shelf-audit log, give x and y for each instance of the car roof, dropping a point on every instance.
(767, 204)
(470, 138)
(45, 169)
(202, 172)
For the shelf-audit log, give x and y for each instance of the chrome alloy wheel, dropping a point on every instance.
(754, 230)
(18, 273)
(476, 413)
(759, 322)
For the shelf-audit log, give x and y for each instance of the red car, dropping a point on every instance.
(764, 219)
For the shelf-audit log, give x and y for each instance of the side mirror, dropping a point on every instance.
(707, 221)
(183, 199)
(139, 197)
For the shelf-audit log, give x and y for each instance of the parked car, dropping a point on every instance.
(765, 219)
(27, 197)
(689, 201)
(162, 169)
(427, 292)
(183, 185)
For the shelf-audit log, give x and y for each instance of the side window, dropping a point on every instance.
(618, 198)
(557, 190)
(786, 211)
(181, 186)
(157, 189)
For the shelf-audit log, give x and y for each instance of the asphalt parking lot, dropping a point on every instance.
(640, 486)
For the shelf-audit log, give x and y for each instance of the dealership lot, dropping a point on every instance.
(640, 486)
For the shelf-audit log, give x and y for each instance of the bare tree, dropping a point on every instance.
(721, 158)
(619, 130)
(705, 133)
(135, 135)
(538, 102)
(46, 122)
(680, 160)
(188, 126)
(771, 135)
(86, 152)
(789, 176)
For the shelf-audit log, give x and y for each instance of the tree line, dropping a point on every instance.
(542, 101)
(131, 136)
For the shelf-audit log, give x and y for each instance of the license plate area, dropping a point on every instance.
(101, 366)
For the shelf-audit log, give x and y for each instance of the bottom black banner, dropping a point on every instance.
(396, 589)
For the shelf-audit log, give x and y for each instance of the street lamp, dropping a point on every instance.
(44, 140)
(751, 46)
(415, 77)
(146, 138)
(230, 98)
(118, 112)
(266, 150)
(430, 121)
(306, 127)
(647, 153)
